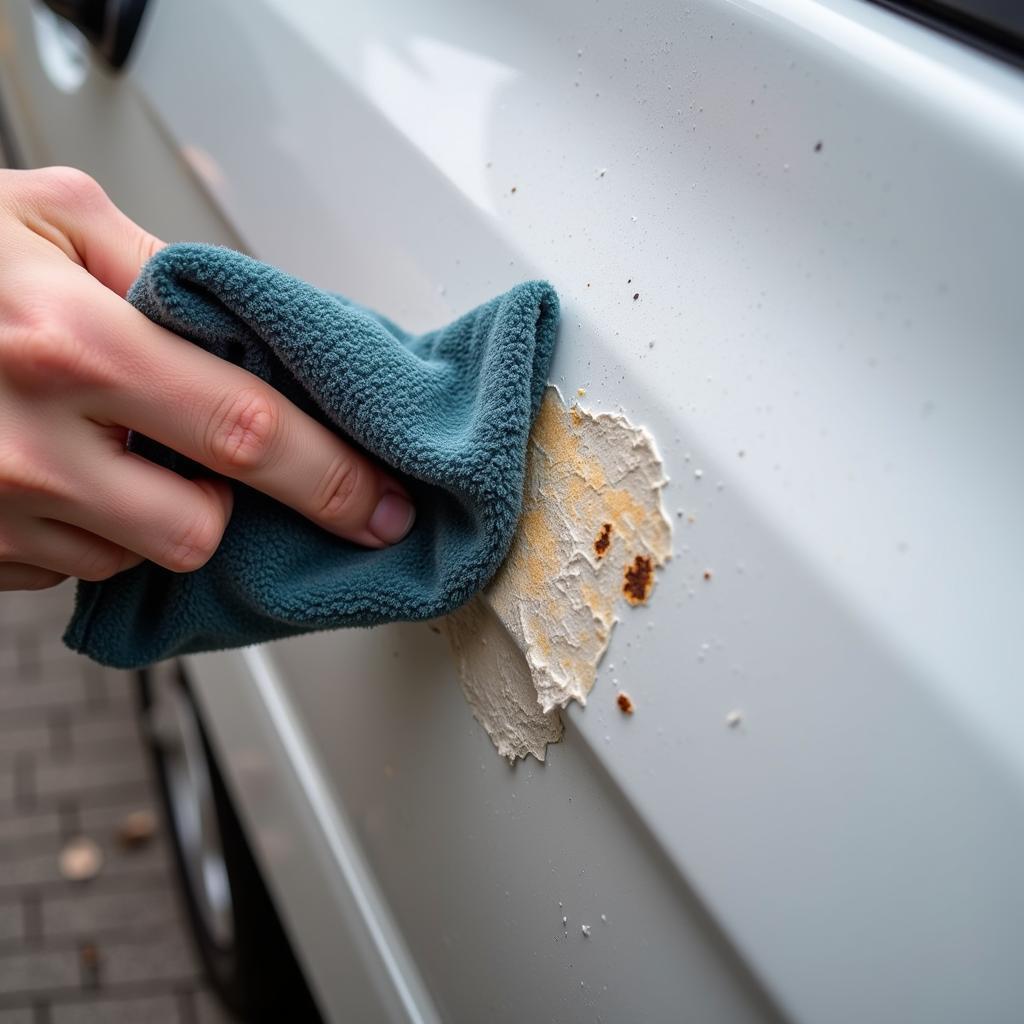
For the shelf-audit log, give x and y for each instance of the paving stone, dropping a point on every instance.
(34, 700)
(22, 739)
(165, 959)
(71, 777)
(38, 971)
(92, 912)
(158, 1009)
(12, 922)
(72, 763)
(20, 831)
(22, 1016)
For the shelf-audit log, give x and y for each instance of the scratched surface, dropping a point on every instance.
(592, 536)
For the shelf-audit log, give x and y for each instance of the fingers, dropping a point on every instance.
(78, 216)
(63, 550)
(229, 420)
(150, 511)
(15, 576)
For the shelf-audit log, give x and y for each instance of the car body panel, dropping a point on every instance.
(818, 205)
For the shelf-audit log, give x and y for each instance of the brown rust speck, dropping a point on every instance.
(707, 574)
(638, 579)
(603, 541)
(625, 703)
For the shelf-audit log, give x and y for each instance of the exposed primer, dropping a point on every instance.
(592, 533)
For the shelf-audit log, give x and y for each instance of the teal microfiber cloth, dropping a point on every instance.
(450, 410)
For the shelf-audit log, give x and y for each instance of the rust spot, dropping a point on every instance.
(603, 541)
(625, 703)
(638, 580)
(707, 574)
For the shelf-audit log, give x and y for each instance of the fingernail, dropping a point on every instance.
(392, 518)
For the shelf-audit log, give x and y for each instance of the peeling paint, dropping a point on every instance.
(592, 533)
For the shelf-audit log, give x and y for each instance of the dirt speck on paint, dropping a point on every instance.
(625, 703)
(638, 578)
(548, 614)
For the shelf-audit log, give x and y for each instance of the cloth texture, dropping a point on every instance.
(449, 410)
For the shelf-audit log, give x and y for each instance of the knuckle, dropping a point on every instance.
(338, 488)
(23, 473)
(44, 354)
(67, 186)
(192, 546)
(242, 431)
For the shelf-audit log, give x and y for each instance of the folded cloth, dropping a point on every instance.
(449, 410)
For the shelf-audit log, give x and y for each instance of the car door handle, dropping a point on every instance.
(109, 25)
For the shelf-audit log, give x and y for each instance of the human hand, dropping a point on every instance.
(79, 367)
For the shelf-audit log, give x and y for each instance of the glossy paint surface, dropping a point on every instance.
(819, 207)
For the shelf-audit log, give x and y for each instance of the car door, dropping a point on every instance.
(786, 238)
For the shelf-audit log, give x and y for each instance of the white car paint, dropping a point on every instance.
(848, 318)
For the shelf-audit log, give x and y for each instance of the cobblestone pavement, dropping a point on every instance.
(113, 950)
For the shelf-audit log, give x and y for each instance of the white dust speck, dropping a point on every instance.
(733, 719)
(585, 928)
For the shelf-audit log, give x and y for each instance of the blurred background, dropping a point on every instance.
(91, 923)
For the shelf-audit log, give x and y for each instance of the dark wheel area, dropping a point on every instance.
(236, 927)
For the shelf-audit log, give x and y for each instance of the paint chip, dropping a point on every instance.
(531, 641)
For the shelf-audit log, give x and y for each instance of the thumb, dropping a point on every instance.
(108, 243)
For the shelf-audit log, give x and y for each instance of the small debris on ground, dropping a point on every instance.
(81, 859)
(136, 829)
(625, 703)
(90, 961)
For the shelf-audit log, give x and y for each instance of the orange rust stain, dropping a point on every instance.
(603, 541)
(625, 703)
(638, 579)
